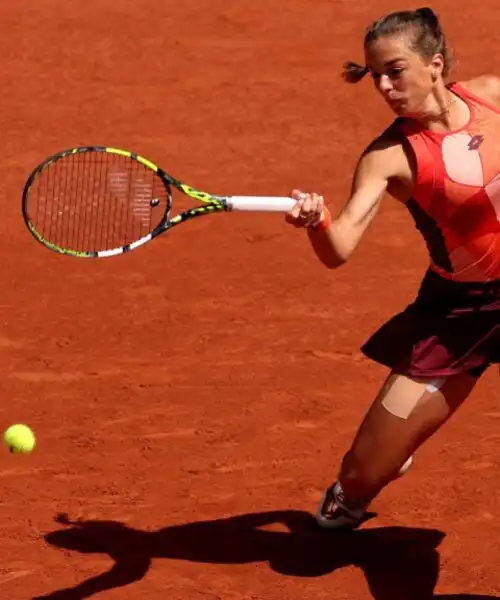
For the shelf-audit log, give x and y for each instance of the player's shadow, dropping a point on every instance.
(398, 562)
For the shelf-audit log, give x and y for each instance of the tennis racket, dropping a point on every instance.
(96, 201)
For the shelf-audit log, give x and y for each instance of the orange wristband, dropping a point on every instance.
(324, 223)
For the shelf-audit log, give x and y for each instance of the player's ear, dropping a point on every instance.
(437, 66)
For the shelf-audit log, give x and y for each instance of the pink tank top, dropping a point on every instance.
(456, 200)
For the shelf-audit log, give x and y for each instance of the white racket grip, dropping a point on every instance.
(261, 203)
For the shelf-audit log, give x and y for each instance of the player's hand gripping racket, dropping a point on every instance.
(95, 201)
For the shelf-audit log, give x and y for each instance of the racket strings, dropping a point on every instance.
(97, 201)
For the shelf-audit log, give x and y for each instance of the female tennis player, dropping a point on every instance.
(441, 159)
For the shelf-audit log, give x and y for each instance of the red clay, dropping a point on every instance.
(192, 399)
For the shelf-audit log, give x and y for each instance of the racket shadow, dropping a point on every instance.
(398, 562)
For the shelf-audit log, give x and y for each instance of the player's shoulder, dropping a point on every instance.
(386, 142)
(486, 87)
(387, 148)
(385, 154)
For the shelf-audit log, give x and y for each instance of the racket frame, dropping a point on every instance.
(210, 203)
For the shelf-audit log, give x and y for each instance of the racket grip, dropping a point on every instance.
(260, 203)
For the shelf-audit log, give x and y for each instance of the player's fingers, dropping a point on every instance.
(317, 201)
(315, 209)
(293, 216)
(297, 194)
(306, 208)
(297, 209)
(318, 208)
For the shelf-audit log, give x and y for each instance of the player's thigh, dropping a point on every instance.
(405, 413)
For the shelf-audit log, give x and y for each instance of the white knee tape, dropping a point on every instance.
(402, 405)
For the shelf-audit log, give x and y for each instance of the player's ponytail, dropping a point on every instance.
(353, 72)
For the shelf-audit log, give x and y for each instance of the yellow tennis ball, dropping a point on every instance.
(19, 439)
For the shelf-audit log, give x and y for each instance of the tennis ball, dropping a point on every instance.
(19, 439)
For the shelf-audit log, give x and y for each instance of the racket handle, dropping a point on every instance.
(260, 203)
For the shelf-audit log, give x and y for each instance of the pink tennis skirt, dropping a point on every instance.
(451, 327)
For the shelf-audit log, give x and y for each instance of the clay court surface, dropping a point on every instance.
(192, 399)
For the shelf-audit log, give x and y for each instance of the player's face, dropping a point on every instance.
(402, 76)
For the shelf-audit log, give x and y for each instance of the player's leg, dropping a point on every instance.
(404, 414)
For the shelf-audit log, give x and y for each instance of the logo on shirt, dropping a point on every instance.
(475, 142)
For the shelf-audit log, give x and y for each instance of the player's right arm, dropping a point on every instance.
(334, 240)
